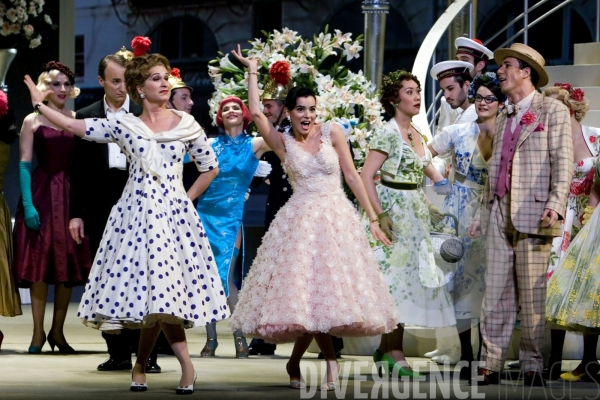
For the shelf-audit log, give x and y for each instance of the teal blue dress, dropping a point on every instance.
(221, 206)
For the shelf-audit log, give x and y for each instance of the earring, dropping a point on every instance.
(142, 95)
(395, 104)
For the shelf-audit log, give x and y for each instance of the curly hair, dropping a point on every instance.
(391, 86)
(577, 108)
(490, 81)
(47, 77)
(138, 70)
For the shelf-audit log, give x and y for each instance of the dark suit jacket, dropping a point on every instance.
(95, 188)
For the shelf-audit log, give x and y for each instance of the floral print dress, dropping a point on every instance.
(408, 266)
(579, 192)
(573, 297)
(471, 173)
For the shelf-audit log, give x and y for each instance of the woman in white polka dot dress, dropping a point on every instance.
(154, 268)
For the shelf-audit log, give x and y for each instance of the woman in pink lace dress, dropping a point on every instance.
(314, 274)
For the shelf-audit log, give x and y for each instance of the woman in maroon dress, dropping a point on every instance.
(45, 253)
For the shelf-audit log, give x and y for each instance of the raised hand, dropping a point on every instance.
(36, 95)
(247, 62)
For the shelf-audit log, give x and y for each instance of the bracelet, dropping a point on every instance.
(36, 108)
(374, 220)
(253, 73)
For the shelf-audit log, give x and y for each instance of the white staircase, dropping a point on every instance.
(584, 74)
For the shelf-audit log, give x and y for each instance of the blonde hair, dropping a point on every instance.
(47, 77)
(578, 108)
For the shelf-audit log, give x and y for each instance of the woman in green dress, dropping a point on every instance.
(400, 153)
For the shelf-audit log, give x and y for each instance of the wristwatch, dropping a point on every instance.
(36, 108)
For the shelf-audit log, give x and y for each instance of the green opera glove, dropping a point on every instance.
(435, 214)
(386, 224)
(32, 218)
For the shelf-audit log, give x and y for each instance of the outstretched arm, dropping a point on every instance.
(273, 138)
(75, 126)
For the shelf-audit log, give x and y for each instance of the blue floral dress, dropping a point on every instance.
(471, 173)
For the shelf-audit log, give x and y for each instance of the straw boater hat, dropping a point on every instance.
(473, 47)
(445, 69)
(527, 54)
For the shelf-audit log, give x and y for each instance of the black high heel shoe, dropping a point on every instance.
(1, 339)
(62, 348)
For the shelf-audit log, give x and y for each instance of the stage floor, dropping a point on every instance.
(55, 376)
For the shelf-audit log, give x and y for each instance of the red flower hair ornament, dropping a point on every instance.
(280, 72)
(246, 116)
(140, 45)
(3, 104)
(175, 72)
(575, 94)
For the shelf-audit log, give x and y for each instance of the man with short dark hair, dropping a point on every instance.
(525, 197)
(98, 177)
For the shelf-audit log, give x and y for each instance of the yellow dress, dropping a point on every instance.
(10, 302)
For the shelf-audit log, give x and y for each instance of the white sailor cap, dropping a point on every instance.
(473, 47)
(445, 69)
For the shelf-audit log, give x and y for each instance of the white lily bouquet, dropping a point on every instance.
(318, 64)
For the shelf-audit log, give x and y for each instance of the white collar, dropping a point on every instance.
(124, 107)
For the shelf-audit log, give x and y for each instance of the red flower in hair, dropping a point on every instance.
(577, 94)
(567, 86)
(175, 72)
(280, 72)
(3, 104)
(140, 45)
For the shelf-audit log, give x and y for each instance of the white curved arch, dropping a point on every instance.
(421, 65)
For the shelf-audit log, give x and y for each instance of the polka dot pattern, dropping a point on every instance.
(154, 261)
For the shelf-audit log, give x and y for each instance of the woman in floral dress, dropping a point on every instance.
(470, 146)
(585, 152)
(399, 151)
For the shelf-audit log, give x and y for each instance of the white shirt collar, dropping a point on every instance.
(123, 110)
(525, 103)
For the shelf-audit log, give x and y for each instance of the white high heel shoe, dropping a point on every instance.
(296, 383)
(137, 387)
(452, 357)
(330, 386)
(436, 352)
(189, 389)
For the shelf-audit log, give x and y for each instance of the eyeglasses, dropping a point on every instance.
(488, 99)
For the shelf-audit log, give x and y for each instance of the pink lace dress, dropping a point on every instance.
(314, 271)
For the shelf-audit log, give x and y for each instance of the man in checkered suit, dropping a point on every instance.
(524, 201)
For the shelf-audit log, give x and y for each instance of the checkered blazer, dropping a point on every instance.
(542, 167)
